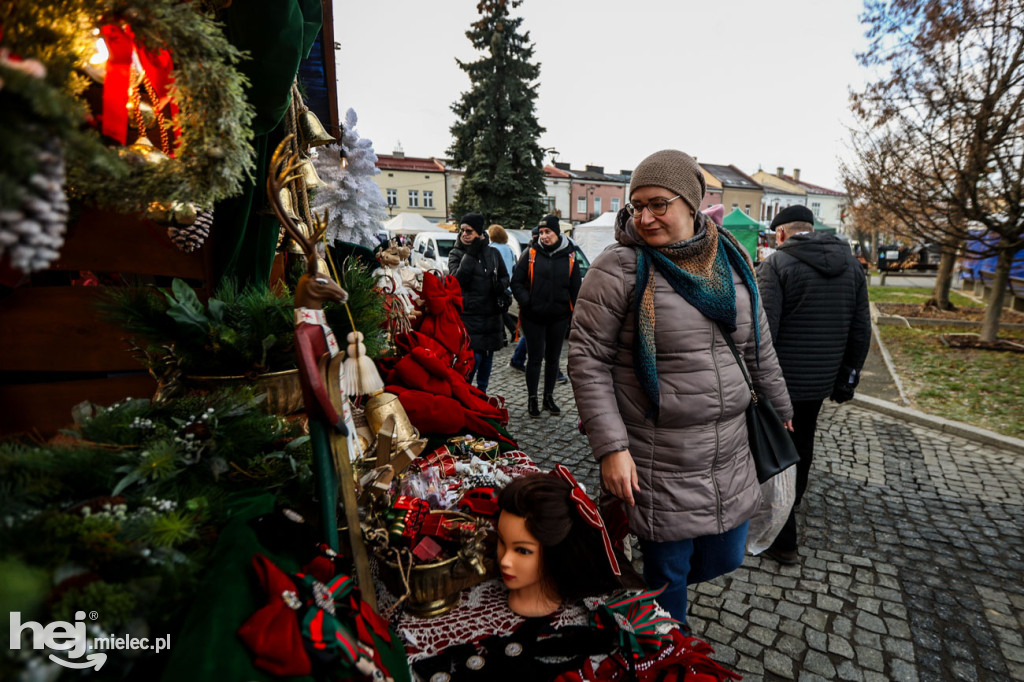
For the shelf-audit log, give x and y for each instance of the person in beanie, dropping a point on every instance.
(483, 277)
(545, 283)
(816, 297)
(660, 394)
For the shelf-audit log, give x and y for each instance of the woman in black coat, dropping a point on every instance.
(483, 277)
(546, 283)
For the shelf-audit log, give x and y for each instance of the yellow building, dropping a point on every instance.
(739, 190)
(413, 185)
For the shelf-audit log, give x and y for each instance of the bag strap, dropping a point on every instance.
(572, 264)
(739, 361)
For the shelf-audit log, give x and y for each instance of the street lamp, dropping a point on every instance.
(552, 151)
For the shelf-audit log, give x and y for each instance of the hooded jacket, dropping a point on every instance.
(815, 295)
(482, 276)
(694, 465)
(553, 291)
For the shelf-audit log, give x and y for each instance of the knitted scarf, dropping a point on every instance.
(700, 270)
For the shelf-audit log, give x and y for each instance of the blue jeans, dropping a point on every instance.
(483, 361)
(519, 354)
(684, 562)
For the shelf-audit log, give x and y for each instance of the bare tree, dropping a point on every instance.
(943, 125)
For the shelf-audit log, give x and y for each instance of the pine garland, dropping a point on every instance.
(213, 155)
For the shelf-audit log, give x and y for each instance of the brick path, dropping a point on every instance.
(911, 560)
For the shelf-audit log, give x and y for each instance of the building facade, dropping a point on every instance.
(558, 191)
(739, 190)
(413, 185)
(779, 193)
(593, 192)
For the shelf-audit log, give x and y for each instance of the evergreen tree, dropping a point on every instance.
(354, 202)
(496, 134)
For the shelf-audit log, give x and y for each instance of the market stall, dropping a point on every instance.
(295, 480)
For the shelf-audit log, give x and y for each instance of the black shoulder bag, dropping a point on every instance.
(770, 443)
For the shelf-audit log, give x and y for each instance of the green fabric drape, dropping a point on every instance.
(277, 36)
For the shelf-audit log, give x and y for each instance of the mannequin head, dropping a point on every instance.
(546, 548)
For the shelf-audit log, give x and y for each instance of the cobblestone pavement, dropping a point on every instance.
(911, 557)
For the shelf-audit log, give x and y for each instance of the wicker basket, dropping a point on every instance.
(283, 389)
(434, 587)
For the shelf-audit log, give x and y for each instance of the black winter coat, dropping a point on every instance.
(475, 267)
(554, 289)
(816, 297)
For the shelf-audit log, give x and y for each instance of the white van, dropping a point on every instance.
(430, 250)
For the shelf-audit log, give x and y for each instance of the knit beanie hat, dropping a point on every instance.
(793, 214)
(551, 222)
(673, 170)
(474, 220)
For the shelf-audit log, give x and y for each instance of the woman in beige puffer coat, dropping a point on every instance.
(659, 391)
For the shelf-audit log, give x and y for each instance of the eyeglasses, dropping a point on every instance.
(655, 206)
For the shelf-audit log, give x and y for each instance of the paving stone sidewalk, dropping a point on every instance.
(911, 558)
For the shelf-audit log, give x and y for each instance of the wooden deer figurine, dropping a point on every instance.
(320, 371)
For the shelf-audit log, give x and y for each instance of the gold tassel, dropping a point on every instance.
(361, 375)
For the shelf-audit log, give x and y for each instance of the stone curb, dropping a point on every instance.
(938, 423)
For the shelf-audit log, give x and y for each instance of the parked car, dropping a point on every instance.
(430, 250)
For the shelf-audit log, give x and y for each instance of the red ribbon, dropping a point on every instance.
(117, 85)
(588, 510)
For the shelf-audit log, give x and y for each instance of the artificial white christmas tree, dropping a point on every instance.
(354, 202)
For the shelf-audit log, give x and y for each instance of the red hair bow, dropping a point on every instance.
(588, 510)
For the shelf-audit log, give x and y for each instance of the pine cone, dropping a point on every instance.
(33, 233)
(188, 238)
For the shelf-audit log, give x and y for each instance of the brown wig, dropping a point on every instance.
(574, 564)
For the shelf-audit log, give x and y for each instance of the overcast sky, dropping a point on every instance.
(748, 82)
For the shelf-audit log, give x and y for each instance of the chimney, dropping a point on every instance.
(796, 174)
(595, 169)
(562, 165)
(779, 171)
(399, 153)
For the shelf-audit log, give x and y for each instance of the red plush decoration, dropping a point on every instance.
(442, 321)
(272, 634)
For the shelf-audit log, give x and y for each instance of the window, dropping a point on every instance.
(581, 204)
(615, 205)
(735, 206)
(414, 198)
(747, 209)
(768, 214)
(816, 208)
(597, 205)
(549, 204)
(428, 199)
(392, 197)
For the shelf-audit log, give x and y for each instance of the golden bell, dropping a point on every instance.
(309, 175)
(313, 132)
(382, 405)
(322, 269)
(294, 246)
(144, 149)
(286, 204)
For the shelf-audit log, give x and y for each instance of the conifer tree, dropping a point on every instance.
(354, 203)
(497, 130)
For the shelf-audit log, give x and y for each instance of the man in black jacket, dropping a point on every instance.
(816, 297)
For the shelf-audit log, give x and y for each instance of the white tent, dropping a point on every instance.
(594, 236)
(410, 223)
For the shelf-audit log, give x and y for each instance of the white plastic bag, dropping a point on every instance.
(778, 494)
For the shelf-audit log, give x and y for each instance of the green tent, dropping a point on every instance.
(745, 229)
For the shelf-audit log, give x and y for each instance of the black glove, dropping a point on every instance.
(475, 247)
(846, 381)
